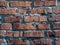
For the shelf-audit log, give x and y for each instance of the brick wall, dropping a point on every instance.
(30, 22)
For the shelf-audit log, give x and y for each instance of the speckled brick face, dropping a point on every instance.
(29, 22)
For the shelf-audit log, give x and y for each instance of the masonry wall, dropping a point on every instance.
(30, 22)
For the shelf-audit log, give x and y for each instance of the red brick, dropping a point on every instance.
(27, 3)
(55, 18)
(12, 19)
(56, 10)
(21, 42)
(58, 41)
(23, 26)
(34, 34)
(21, 11)
(42, 42)
(42, 18)
(7, 11)
(39, 10)
(57, 34)
(39, 3)
(1, 40)
(50, 3)
(43, 26)
(3, 3)
(56, 26)
(16, 34)
(20, 3)
(9, 33)
(2, 33)
(6, 26)
(20, 34)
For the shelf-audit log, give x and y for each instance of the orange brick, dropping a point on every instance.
(43, 26)
(6, 26)
(7, 11)
(3, 3)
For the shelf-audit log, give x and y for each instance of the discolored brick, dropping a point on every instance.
(57, 41)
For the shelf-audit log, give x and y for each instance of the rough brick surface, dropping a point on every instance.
(30, 22)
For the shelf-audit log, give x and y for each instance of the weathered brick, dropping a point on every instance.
(20, 34)
(4, 3)
(6, 26)
(7, 11)
(56, 26)
(56, 10)
(34, 34)
(20, 3)
(43, 26)
(57, 34)
(23, 26)
(12, 19)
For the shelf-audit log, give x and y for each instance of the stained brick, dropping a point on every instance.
(43, 26)
(34, 34)
(23, 26)
(1, 40)
(7, 11)
(12, 19)
(3, 3)
(57, 34)
(6, 26)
